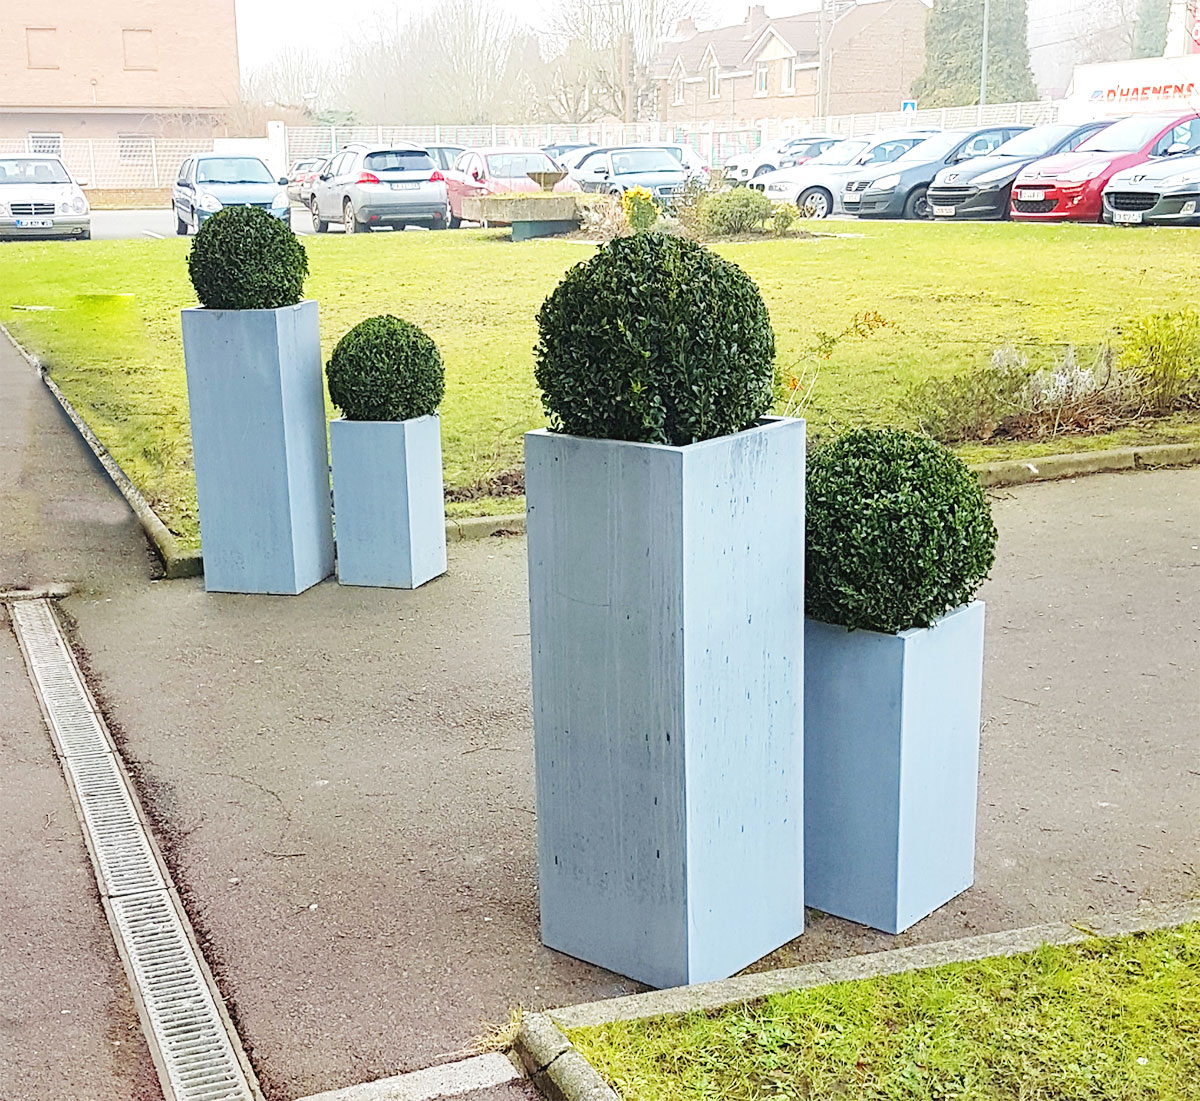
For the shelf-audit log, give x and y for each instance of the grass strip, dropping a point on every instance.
(1107, 1020)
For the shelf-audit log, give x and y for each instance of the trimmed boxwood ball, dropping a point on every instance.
(899, 531)
(386, 369)
(657, 340)
(246, 259)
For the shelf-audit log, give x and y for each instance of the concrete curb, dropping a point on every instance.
(444, 1080)
(1048, 468)
(555, 1067)
(750, 988)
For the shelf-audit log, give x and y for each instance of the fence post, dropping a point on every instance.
(333, 139)
(154, 160)
(494, 134)
(379, 134)
(92, 163)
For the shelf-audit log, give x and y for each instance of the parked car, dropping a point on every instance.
(559, 150)
(777, 154)
(1163, 192)
(304, 189)
(444, 156)
(300, 171)
(816, 187)
(901, 189)
(208, 182)
(38, 198)
(982, 187)
(614, 171)
(697, 167)
(1070, 187)
(367, 186)
(498, 171)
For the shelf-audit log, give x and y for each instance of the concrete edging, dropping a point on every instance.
(1048, 468)
(555, 1066)
(750, 988)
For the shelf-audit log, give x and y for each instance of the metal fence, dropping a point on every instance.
(135, 162)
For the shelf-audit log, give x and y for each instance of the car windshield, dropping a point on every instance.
(1125, 136)
(21, 170)
(233, 170)
(399, 160)
(644, 160)
(515, 166)
(932, 148)
(842, 153)
(1033, 143)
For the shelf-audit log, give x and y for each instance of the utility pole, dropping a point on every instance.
(983, 60)
(821, 60)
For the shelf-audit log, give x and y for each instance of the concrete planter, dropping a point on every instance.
(257, 405)
(891, 767)
(387, 498)
(666, 615)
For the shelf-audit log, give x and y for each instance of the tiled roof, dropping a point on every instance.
(731, 44)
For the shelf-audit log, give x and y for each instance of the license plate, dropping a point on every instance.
(944, 211)
(1127, 217)
(1031, 196)
(35, 223)
(405, 186)
(851, 197)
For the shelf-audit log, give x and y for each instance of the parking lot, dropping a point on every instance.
(111, 225)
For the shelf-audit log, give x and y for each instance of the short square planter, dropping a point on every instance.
(891, 767)
(388, 501)
(257, 408)
(666, 617)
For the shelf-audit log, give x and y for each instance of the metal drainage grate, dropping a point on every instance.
(124, 859)
(200, 1061)
(195, 1049)
(76, 727)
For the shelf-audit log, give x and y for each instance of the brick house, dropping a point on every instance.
(116, 68)
(768, 68)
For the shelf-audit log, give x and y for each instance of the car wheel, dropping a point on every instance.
(439, 223)
(455, 222)
(615, 191)
(815, 202)
(349, 222)
(319, 225)
(916, 206)
(763, 169)
(181, 226)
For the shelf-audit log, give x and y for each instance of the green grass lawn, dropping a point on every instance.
(952, 293)
(1105, 1021)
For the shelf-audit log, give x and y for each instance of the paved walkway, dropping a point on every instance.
(343, 779)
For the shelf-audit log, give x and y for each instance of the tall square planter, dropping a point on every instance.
(257, 409)
(891, 767)
(666, 615)
(388, 501)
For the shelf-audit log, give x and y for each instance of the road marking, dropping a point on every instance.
(151, 233)
(447, 1080)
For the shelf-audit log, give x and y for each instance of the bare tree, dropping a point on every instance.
(296, 79)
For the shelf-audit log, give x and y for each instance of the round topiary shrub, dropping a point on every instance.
(385, 369)
(656, 340)
(246, 259)
(899, 531)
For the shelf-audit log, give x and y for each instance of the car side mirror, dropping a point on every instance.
(283, 181)
(1177, 148)
(323, 176)
(82, 183)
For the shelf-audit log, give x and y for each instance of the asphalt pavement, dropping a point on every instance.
(343, 782)
(159, 223)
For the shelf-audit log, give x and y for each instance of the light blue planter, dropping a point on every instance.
(891, 767)
(388, 501)
(666, 614)
(257, 406)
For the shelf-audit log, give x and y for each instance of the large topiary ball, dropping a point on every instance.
(655, 339)
(385, 369)
(246, 259)
(899, 531)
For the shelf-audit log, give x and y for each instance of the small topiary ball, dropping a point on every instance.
(899, 531)
(246, 259)
(385, 369)
(657, 340)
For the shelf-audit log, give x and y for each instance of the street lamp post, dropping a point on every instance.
(983, 59)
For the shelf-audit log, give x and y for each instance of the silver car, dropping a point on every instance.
(38, 198)
(366, 186)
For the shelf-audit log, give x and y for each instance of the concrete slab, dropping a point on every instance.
(68, 1027)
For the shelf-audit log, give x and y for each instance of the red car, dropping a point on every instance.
(1068, 187)
(498, 171)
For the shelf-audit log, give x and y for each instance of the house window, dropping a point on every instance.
(41, 47)
(789, 76)
(45, 143)
(139, 49)
(760, 79)
(714, 82)
(678, 91)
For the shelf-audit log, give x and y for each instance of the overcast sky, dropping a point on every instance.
(265, 26)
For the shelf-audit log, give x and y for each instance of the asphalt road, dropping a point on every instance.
(110, 225)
